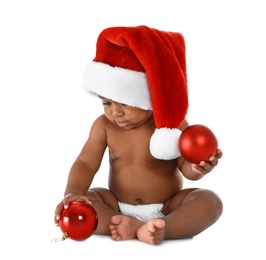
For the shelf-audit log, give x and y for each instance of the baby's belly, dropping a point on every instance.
(134, 190)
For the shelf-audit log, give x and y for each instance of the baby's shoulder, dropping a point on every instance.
(100, 121)
(101, 118)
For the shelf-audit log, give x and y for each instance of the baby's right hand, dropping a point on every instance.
(64, 204)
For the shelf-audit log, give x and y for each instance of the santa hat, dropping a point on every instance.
(145, 68)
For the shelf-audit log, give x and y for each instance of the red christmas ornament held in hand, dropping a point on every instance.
(197, 143)
(78, 221)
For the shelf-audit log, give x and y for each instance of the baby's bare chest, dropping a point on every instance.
(126, 144)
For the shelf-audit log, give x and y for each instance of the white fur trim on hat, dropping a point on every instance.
(119, 84)
(164, 143)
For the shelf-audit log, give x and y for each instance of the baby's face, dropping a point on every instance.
(125, 116)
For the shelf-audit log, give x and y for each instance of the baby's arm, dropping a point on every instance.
(85, 167)
(196, 171)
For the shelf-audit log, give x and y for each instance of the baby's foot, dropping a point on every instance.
(152, 232)
(124, 227)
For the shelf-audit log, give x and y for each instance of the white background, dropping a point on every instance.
(45, 119)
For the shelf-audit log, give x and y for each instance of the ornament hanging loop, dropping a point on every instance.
(63, 238)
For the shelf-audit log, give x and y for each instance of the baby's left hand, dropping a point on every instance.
(205, 167)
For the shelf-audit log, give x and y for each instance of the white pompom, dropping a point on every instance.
(164, 143)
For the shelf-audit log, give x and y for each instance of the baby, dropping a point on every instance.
(139, 74)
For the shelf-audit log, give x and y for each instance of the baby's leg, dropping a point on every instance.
(190, 212)
(106, 207)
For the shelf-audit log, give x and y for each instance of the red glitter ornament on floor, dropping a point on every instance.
(78, 221)
(197, 143)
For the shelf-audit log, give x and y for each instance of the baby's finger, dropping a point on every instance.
(68, 200)
(219, 154)
(57, 213)
(207, 166)
(213, 161)
(85, 200)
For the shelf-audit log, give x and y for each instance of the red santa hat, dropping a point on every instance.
(145, 68)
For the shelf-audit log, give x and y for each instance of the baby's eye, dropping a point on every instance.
(107, 103)
(123, 104)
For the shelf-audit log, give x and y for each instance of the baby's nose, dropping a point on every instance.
(117, 111)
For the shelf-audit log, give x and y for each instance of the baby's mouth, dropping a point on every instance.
(123, 124)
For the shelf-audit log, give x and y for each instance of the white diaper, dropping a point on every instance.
(142, 212)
